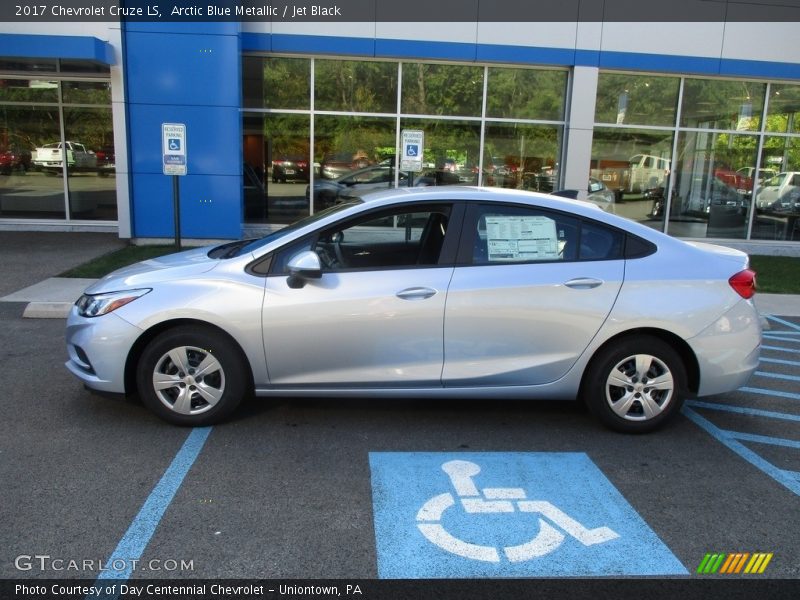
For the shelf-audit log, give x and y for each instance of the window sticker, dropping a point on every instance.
(521, 238)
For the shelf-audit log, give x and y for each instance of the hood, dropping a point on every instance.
(148, 272)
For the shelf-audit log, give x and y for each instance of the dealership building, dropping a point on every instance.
(691, 127)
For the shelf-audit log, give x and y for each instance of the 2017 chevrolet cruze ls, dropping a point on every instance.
(448, 292)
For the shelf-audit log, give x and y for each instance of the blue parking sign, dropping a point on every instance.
(462, 515)
(412, 150)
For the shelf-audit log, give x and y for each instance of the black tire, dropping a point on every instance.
(615, 386)
(196, 398)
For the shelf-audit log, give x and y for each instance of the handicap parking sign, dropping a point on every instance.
(174, 144)
(440, 515)
(412, 150)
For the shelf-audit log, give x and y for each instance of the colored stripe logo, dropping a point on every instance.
(734, 563)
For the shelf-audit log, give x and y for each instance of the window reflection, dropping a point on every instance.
(355, 86)
(636, 99)
(27, 190)
(91, 164)
(783, 115)
(430, 89)
(778, 190)
(719, 104)
(713, 190)
(634, 164)
(521, 156)
(526, 94)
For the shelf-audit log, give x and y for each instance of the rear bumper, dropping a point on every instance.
(728, 350)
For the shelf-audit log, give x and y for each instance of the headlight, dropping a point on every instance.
(95, 305)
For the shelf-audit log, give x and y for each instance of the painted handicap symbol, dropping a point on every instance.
(500, 500)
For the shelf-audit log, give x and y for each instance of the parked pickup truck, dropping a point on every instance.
(51, 157)
(638, 174)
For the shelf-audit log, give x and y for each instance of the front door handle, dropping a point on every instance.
(583, 283)
(416, 293)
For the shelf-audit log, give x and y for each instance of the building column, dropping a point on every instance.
(186, 73)
(580, 128)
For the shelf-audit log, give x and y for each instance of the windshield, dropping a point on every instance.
(775, 181)
(276, 235)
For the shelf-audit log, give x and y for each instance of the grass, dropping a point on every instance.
(103, 265)
(776, 274)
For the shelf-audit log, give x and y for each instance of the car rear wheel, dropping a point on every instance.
(636, 385)
(192, 376)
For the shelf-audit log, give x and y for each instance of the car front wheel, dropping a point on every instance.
(636, 385)
(192, 376)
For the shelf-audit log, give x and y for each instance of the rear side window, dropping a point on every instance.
(509, 234)
(599, 242)
(514, 234)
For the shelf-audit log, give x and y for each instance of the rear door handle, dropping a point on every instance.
(416, 293)
(583, 283)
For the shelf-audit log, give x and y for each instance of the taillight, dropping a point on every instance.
(744, 283)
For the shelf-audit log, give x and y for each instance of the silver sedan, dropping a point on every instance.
(448, 292)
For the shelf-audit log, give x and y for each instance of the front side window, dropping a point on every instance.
(397, 238)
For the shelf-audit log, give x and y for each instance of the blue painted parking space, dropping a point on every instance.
(780, 354)
(465, 515)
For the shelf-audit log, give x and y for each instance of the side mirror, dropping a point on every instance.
(303, 267)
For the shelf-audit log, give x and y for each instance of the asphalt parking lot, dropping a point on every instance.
(368, 491)
(309, 489)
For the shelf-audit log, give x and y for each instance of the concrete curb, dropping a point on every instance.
(47, 310)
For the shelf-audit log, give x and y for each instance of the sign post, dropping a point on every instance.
(173, 151)
(412, 146)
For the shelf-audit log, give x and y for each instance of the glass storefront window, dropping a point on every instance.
(355, 86)
(521, 156)
(277, 167)
(778, 193)
(636, 99)
(720, 104)
(276, 82)
(635, 165)
(783, 113)
(526, 94)
(28, 90)
(91, 165)
(86, 92)
(26, 189)
(452, 149)
(712, 193)
(451, 90)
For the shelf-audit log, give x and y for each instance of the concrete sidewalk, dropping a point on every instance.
(53, 298)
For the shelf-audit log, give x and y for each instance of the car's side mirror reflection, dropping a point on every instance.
(303, 267)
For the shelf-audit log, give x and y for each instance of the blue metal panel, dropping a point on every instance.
(56, 46)
(213, 138)
(185, 73)
(184, 27)
(211, 206)
(184, 69)
(526, 54)
(318, 44)
(425, 49)
(659, 62)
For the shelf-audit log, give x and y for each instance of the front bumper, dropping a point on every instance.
(98, 349)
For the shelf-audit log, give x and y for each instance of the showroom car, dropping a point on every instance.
(445, 292)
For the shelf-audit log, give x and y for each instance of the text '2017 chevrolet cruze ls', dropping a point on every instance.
(449, 292)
